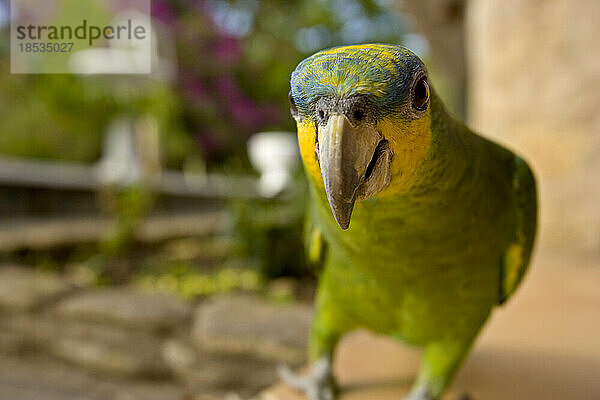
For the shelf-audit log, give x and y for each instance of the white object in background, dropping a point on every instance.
(274, 155)
(131, 153)
(120, 163)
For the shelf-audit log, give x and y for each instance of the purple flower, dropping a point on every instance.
(195, 90)
(241, 108)
(226, 50)
(163, 11)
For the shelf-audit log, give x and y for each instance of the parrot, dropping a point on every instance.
(418, 226)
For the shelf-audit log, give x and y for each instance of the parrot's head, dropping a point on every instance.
(363, 117)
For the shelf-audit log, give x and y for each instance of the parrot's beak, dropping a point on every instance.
(345, 152)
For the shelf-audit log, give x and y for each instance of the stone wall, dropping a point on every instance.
(68, 342)
(534, 73)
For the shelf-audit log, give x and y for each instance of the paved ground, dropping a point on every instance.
(543, 345)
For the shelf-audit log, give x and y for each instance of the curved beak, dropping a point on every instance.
(345, 152)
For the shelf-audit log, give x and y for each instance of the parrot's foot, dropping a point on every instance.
(421, 393)
(425, 394)
(317, 385)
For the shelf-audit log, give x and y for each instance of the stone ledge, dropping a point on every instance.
(125, 307)
(23, 289)
(109, 350)
(242, 324)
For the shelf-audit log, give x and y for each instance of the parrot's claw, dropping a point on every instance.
(317, 385)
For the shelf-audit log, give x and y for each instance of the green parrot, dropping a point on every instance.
(420, 225)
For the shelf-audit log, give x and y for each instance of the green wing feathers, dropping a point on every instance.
(517, 255)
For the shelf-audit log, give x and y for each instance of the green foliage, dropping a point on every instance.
(185, 280)
(128, 208)
(50, 117)
(269, 233)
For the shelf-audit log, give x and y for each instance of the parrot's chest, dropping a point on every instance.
(416, 275)
(415, 300)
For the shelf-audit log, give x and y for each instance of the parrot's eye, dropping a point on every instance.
(293, 108)
(358, 115)
(421, 95)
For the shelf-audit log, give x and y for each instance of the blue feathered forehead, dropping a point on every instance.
(382, 72)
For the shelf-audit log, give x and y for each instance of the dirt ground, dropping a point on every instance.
(543, 345)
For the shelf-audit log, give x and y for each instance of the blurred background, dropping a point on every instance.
(151, 227)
